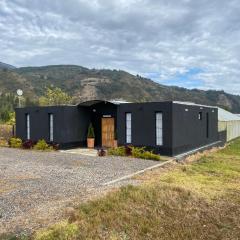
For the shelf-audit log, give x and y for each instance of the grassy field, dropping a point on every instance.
(199, 200)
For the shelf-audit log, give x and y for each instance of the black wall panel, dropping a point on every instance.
(70, 123)
(182, 128)
(144, 125)
(190, 132)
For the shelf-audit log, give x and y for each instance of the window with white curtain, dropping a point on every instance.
(28, 125)
(128, 128)
(159, 130)
(51, 127)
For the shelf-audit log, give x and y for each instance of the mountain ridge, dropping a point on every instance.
(86, 84)
(6, 66)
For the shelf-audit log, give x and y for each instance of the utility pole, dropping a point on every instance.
(19, 93)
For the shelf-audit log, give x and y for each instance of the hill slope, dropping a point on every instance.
(84, 84)
(6, 66)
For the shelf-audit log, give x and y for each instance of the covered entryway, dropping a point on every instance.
(108, 132)
(103, 116)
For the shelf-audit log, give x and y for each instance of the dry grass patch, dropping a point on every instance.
(6, 131)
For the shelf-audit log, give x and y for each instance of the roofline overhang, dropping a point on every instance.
(90, 103)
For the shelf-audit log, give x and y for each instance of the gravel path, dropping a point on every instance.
(35, 187)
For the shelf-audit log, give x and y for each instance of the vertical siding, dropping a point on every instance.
(190, 132)
(144, 125)
(232, 128)
(70, 123)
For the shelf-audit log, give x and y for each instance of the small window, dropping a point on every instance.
(51, 127)
(128, 128)
(200, 116)
(28, 126)
(159, 129)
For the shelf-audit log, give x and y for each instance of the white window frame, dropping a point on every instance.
(128, 120)
(28, 126)
(159, 128)
(51, 127)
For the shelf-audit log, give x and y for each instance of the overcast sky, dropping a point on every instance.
(189, 43)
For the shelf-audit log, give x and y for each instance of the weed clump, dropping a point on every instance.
(42, 145)
(118, 151)
(135, 152)
(15, 142)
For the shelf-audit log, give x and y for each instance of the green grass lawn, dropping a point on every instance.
(199, 200)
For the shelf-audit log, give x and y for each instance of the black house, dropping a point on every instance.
(168, 128)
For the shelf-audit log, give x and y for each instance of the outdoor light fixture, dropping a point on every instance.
(94, 110)
(19, 93)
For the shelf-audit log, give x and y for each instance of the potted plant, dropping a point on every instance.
(115, 143)
(90, 136)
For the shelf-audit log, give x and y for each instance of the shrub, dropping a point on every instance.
(136, 152)
(15, 142)
(42, 145)
(142, 153)
(3, 142)
(62, 230)
(118, 151)
(28, 144)
(151, 156)
(90, 131)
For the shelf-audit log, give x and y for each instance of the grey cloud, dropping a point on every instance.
(141, 36)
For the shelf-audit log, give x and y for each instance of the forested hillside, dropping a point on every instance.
(84, 84)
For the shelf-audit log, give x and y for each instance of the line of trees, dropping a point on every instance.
(9, 101)
(7, 104)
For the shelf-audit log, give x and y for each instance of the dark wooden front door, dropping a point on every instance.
(107, 132)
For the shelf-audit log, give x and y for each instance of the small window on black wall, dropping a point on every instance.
(27, 117)
(50, 119)
(159, 128)
(200, 116)
(128, 127)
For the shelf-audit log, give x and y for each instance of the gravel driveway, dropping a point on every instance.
(35, 187)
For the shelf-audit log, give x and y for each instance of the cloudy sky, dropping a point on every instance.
(189, 43)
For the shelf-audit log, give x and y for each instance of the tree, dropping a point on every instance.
(5, 115)
(12, 119)
(54, 97)
(29, 102)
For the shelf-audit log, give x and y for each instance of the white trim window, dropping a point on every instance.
(51, 127)
(128, 127)
(159, 129)
(28, 126)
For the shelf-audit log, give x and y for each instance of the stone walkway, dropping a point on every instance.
(82, 151)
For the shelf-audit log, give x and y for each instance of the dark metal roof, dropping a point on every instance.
(92, 102)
